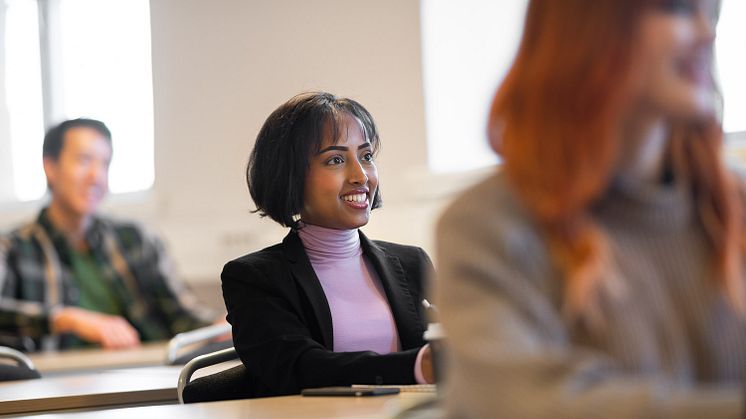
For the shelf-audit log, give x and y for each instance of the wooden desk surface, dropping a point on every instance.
(267, 408)
(149, 354)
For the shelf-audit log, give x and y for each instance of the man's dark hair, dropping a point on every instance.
(54, 140)
(276, 172)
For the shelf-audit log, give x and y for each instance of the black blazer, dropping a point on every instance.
(282, 325)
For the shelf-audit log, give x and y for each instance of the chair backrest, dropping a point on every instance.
(23, 370)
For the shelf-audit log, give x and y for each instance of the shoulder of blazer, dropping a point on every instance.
(268, 256)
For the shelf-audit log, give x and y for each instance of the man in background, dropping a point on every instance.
(74, 278)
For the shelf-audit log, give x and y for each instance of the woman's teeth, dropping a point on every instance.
(355, 198)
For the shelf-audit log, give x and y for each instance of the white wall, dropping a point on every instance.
(221, 66)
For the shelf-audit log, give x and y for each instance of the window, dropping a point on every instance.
(21, 113)
(87, 58)
(468, 46)
(731, 63)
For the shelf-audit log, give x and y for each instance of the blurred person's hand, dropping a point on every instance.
(427, 365)
(111, 332)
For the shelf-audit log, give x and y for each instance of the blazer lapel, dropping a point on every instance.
(302, 270)
(394, 281)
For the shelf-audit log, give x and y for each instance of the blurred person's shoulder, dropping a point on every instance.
(22, 242)
(129, 232)
(490, 205)
(20, 233)
(488, 220)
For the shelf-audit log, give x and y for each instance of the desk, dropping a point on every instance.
(267, 408)
(51, 363)
(112, 388)
(106, 388)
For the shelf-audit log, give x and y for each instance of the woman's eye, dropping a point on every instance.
(368, 157)
(335, 160)
(678, 6)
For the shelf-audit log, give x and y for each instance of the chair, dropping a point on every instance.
(24, 370)
(233, 383)
(193, 337)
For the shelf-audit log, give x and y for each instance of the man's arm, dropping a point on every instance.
(25, 319)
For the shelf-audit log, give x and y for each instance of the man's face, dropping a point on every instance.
(79, 179)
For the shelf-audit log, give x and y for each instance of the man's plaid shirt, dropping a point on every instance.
(36, 278)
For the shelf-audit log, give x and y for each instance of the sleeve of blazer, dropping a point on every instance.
(273, 337)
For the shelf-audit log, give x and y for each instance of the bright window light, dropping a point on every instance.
(467, 48)
(107, 75)
(100, 63)
(731, 63)
(23, 101)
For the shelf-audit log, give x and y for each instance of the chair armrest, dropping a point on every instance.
(200, 362)
(17, 356)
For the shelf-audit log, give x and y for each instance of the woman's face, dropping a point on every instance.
(341, 181)
(675, 46)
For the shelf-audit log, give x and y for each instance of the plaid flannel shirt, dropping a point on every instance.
(36, 279)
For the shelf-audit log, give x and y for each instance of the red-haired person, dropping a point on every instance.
(599, 273)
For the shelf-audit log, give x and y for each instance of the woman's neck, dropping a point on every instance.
(643, 148)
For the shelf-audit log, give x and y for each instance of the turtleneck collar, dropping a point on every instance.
(656, 206)
(327, 244)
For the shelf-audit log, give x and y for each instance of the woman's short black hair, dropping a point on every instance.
(276, 172)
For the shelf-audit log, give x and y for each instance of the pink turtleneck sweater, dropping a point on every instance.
(361, 316)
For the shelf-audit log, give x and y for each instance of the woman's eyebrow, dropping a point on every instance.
(342, 148)
(333, 147)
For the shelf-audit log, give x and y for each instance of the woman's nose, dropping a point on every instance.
(357, 174)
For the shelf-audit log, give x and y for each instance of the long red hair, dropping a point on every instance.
(556, 122)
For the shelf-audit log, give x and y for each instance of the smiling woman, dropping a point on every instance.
(327, 306)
